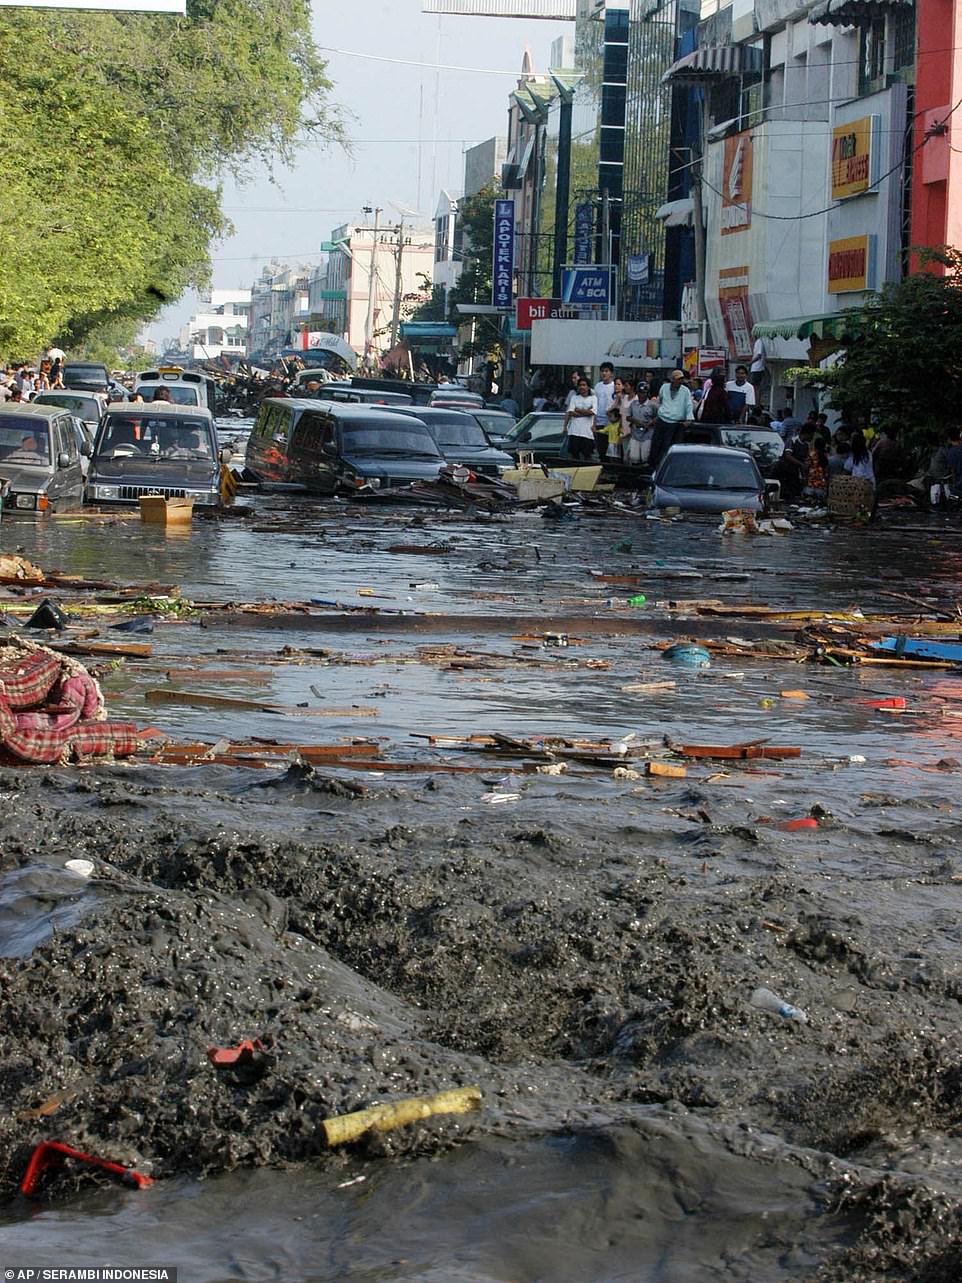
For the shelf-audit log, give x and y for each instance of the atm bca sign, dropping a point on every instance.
(584, 286)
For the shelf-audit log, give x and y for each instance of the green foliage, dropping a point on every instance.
(906, 365)
(117, 125)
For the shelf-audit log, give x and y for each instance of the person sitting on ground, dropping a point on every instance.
(836, 460)
(859, 462)
(579, 422)
(816, 477)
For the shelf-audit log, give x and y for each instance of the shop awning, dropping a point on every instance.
(854, 13)
(418, 330)
(676, 213)
(718, 62)
(831, 325)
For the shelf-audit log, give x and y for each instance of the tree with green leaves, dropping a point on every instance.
(118, 126)
(903, 363)
(474, 284)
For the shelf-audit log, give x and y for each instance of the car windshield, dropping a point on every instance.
(178, 395)
(23, 444)
(458, 430)
(767, 447)
(534, 426)
(80, 405)
(389, 440)
(708, 472)
(499, 424)
(153, 437)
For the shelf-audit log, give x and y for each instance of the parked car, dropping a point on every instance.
(453, 394)
(86, 376)
(186, 387)
(496, 424)
(702, 478)
(461, 439)
(420, 393)
(347, 393)
(323, 446)
(87, 406)
(40, 459)
(156, 448)
(540, 433)
(764, 444)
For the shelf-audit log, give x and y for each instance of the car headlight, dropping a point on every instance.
(106, 492)
(25, 501)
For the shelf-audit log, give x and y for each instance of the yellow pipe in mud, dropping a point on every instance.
(344, 1128)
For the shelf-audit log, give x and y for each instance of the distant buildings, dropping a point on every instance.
(219, 327)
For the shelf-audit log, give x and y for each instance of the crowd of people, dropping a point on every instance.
(621, 419)
(24, 382)
(636, 421)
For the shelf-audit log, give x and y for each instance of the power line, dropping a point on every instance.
(413, 62)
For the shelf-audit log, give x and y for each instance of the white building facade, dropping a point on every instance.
(218, 327)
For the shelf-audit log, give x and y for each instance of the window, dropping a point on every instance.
(871, 67)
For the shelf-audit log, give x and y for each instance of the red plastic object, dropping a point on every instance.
(896, 701)
(789, 826)
(53, 1153)
(233, 1055)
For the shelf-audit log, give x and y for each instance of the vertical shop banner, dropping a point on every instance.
(584, 228)
(735, 310)
(736, 205)
(502, 266)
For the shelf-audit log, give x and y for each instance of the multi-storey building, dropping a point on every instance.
(805, 169)
(218, 327)
(369, 271)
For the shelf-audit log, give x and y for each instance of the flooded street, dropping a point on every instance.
(582, 944)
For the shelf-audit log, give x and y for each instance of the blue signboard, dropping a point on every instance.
(502, 267)
(584, 227)
(586, 286)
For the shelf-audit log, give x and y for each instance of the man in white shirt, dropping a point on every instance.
(604, 392)
(741, 385)
(579, 422)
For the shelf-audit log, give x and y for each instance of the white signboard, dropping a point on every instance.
(112, 6)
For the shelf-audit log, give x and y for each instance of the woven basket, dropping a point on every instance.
(848, 496)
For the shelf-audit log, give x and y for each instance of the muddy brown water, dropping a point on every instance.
(584, 953)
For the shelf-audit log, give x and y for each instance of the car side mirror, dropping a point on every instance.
(329, 448)
(85, 449)
(63, 459)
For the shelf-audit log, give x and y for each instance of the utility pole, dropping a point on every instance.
(372, 277)
(396, 314)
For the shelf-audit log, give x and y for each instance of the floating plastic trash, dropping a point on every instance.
(81, 868)
(688, 655)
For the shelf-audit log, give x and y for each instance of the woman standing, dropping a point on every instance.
(579, 422)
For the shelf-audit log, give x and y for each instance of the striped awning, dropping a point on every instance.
(717, 62)
(854, 13)
(830, 325)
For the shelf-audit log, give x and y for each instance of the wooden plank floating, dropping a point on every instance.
(737, 752)
(194, 699)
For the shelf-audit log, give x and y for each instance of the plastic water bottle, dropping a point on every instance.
(765, 1000)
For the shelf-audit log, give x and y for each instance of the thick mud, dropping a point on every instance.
(584, 953)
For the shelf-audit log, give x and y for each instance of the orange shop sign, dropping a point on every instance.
(854, 157)
(736, 205)
(851, 264)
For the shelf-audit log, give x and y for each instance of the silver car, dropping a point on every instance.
(702, 478)
(40, 459)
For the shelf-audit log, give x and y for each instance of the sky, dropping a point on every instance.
(392, 106)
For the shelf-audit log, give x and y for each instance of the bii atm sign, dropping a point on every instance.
(502, 267)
